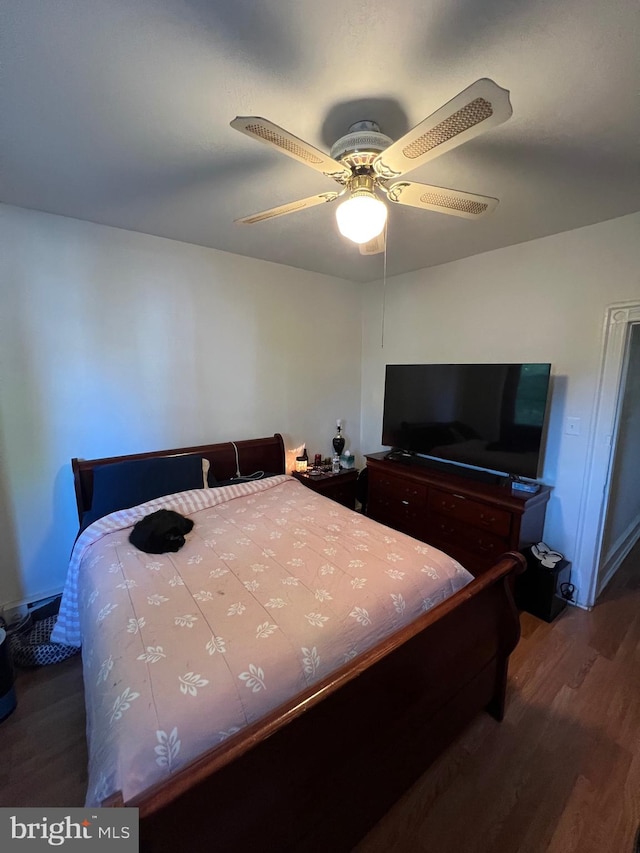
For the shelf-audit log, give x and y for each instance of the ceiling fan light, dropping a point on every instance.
(361, 217)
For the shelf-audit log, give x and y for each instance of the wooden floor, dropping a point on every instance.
(561, 773)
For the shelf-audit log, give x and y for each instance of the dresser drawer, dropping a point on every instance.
(397, 488)
(339, 487)
(343, 493)
(458, 532)
(398, 495)
(472, 562)
(472, 512)
(398, 503)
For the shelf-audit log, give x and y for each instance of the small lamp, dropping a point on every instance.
(301, 464)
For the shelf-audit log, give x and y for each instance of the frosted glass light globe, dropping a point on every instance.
(362, 217)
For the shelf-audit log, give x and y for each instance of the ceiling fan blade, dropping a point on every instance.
(481, 106)
(269, 133)
(441, 199)
(291, 207)
(375, 246)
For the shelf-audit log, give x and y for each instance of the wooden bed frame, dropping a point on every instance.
(317, 773)
(256, 454)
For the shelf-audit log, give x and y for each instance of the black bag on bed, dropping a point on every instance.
(160, 532)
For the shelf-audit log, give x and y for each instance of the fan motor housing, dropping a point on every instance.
(361, 145)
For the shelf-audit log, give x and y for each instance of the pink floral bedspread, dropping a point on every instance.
(274, 589)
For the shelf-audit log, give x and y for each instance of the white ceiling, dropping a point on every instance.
(117, 112)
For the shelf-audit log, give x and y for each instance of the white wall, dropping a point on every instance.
(113, 342)
(534, 302)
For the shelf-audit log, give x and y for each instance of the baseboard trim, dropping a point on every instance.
(32, 601)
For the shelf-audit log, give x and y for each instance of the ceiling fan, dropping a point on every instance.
(367, 163)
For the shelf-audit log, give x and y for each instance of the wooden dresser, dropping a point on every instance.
(471, 520)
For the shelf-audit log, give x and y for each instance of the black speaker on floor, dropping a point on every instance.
(541, 590)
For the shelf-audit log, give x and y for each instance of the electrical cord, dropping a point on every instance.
(257, 475)
(566, 591)
(384, 283)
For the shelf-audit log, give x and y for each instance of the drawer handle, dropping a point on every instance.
(485, 548)
(405, 503)
(449, 507)
(487, 521)
(448, 530)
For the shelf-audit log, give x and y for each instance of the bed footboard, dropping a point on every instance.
(317, 775)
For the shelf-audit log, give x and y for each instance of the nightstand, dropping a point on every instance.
(339, 487)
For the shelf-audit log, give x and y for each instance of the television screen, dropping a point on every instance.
(487, 416)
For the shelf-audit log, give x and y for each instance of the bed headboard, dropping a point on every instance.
(255, 454)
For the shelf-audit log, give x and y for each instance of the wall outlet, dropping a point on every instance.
(13, 615)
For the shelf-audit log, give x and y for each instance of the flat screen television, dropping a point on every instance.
(484, 416)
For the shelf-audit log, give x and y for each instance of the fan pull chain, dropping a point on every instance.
(384, 282)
